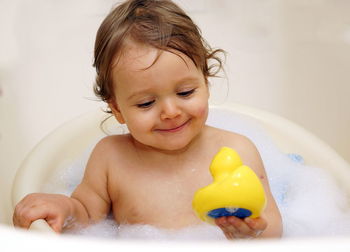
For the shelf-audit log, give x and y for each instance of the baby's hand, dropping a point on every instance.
(236, 228)
(53, 208)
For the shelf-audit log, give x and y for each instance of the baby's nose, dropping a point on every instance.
(170, 109)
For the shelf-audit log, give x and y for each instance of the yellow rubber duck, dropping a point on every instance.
(235, 191)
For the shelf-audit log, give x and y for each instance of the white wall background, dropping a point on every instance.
(290, 57)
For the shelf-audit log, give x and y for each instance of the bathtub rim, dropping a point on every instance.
(41, 242)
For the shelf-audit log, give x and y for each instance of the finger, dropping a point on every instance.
(235, 228)
(220, 221)
(17, 223)
(259, 224)
(24, 216)
(223, 224)
(56, 224)
(229, 230)
(20, 218)
(229, 236)
(240, 226)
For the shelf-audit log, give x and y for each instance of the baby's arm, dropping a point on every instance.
(89, 202)
(269, 224)
(93, 190)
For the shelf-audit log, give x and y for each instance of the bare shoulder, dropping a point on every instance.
(231, 139)
(242, 144)
(113, 142)
(108, 149)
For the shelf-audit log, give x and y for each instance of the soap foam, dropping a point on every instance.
(310, 201)
(109, 229)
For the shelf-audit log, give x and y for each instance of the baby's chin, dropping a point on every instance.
(170, 147)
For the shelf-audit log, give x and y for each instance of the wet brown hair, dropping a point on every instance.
(158, 23)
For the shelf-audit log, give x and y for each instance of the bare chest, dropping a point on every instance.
(159, 198)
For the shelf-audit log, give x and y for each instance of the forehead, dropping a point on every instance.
(135, 56)
(138, 56)
(140, 62)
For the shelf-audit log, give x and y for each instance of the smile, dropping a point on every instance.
(176, 129)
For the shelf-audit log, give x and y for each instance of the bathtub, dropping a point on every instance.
(65, 144)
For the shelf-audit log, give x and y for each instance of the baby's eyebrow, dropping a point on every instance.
(180, 81)
(139, 92)
(187, 80)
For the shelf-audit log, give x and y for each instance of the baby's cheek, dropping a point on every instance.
(202, 111)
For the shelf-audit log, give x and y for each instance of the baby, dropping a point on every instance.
(152, 69)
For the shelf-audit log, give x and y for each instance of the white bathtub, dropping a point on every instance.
(69, 141)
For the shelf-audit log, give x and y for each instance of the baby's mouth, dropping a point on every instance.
(175, 129)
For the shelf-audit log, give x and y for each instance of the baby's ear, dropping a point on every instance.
(116, 112)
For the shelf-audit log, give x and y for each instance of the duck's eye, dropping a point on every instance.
(145, 105)
(186, 93)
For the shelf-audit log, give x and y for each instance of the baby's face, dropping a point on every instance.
(165, 105)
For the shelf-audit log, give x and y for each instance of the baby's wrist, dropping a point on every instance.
(77, 212)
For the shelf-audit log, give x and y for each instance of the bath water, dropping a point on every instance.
(310, 200)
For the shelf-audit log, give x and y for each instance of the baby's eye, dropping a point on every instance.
(145, 105)
(186, 93)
